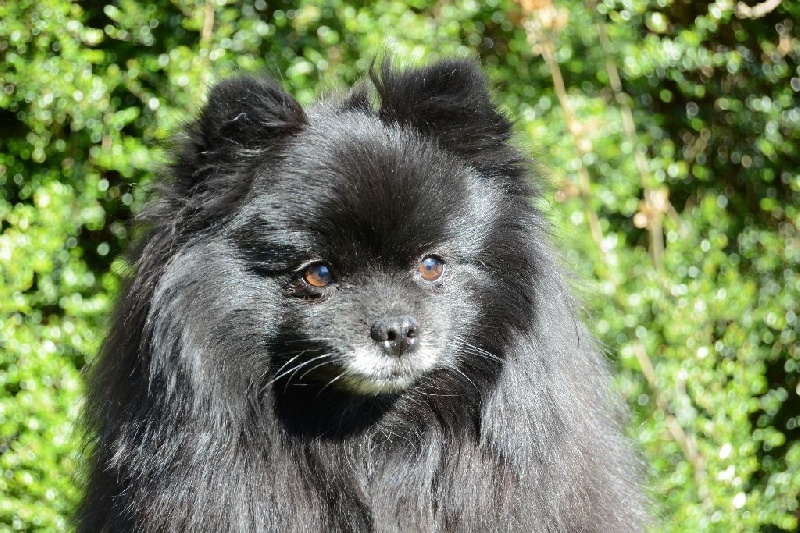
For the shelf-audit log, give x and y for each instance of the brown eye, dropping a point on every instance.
(318, 275)
(431, 268)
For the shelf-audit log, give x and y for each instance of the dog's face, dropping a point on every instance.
(370, 237)
(354, 247)
(343, 318)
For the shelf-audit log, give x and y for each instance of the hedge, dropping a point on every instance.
(668, 133)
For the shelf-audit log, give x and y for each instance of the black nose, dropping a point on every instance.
(395, 334)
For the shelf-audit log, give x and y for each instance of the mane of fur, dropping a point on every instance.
(188, 434)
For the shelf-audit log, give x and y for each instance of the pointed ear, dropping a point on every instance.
(247, 113)
(449, 101)
(243, 117)
(358, 99)
(244, 120)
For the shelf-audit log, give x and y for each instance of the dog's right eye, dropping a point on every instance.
(431, 268)
(318, 275)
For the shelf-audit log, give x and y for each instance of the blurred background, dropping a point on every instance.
(667, 134)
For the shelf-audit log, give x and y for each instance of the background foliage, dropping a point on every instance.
(669, 130)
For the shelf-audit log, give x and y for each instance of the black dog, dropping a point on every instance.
(347, 319)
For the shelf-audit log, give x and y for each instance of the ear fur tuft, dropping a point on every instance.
(249, 113)
(244, 119)
(448, 100)
(244, 116)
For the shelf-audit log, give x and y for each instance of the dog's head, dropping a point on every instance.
(359, 246)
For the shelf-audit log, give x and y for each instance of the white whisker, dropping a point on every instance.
(295, 368)
(331, 382)
(323, 363)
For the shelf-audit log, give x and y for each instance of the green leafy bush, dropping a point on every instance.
(670, 132)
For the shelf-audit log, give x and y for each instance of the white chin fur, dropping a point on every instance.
(372, 372)
(371, 386)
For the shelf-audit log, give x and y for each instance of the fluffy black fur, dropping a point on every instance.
(232, 395)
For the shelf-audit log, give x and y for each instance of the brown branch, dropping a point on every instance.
(208, 24)
(743, 11)
(206, 39)
(655, 227)
(544, 21)
(655, 201)
(658, 205)
(684, 440)
(574, 127)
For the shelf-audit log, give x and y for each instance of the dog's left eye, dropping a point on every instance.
(431, 268)
(318, 275)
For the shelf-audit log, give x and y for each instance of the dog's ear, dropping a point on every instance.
(243, 117)
(244, 120)
(248, 113)
(449, 101)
